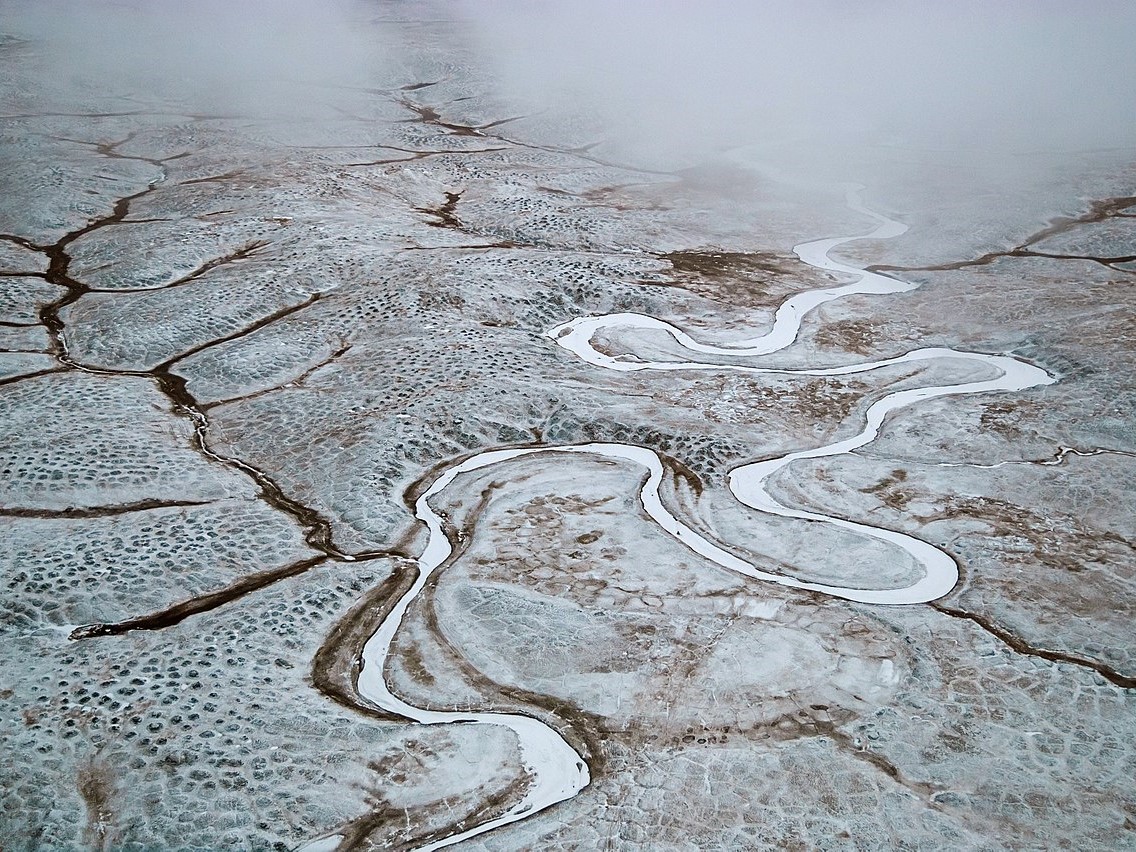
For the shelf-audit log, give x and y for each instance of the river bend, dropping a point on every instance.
(556, 771)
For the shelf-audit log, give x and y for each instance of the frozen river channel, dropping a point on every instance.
(557, 771)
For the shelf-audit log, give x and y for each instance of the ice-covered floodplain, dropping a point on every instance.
(393, 461)
(558, 772)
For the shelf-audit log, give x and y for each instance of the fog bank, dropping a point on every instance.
(229, 56)
(679, 77)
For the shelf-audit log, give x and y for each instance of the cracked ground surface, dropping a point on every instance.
(234, 346)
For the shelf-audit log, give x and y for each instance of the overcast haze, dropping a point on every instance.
(258, 56)
(664, 76)
(1017, 74)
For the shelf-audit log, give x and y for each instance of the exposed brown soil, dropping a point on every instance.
(858, 336)
(761, 279)
(337, 663)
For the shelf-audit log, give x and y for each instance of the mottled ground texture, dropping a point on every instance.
(232, 340)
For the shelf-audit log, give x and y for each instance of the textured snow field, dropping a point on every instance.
(399, 400)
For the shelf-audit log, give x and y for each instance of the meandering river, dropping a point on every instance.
(557, 772)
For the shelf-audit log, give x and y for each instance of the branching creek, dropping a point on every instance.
(556, 771)
(317, 528)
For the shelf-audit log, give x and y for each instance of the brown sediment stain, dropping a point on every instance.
(177, 613)
(610, 197)
(1098, 211)
(601, 343)
(444, 213)
(97, 785)
(888, 492)
(415, 666)
(1020, 646)
(681, 473)
(736, 397)
(79, 512)
(338, 662)
(1005, 417)
(858, 336)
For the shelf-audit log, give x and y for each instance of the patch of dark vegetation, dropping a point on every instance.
(888, 493)
(1007, 417)
(857, 336)
(444, 213)
(715, 264)
(758, 279)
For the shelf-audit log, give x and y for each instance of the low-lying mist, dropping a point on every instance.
(675, 78)
(257, 57)
(666, 82)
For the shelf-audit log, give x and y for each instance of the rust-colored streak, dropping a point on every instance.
(1022, 647)
(80, 512)
(202, 603)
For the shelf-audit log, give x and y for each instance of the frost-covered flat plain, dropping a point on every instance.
(386, 465)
